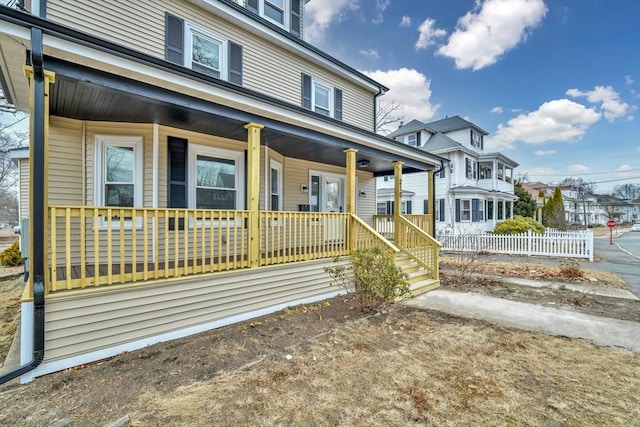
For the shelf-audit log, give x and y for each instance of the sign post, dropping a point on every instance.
(611, 223)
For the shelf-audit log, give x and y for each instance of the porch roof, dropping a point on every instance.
(89, 94)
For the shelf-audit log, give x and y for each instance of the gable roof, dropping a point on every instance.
(453, 123)
(440, 141)
(413, 126)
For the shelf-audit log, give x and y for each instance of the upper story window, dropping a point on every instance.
(476, 139)
(283, 13)
(321, 97)
(471, 168)
(441, 174)
(205, 53)
(202, 51)
(413, 139)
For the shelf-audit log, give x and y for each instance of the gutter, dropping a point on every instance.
(38, 208)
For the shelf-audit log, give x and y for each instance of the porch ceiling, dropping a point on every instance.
(89, 94)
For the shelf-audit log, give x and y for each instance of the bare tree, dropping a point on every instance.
(627, 191)
(387, 117)
(586, 188)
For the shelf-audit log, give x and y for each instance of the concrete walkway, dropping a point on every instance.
(601, 331)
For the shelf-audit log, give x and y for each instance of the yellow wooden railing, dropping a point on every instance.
(423, 248)
(96, 246)
(93, 246)
(384, 223)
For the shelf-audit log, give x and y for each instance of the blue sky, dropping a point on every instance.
(556, 83)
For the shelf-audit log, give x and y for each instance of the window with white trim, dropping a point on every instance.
(205, 52)
(275, 11)
(118, 171)
(471, 168)
(275, 185)
(465, 209)
(411, 139)
(216, 178)
(321, 98)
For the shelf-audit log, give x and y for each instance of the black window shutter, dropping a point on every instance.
(295, 18)
(174, 39)
(337, 104)
(177, 175)
(252, 5)
(306, 91)
(418, 143)
(425, 206)
(390, 208)
(441, 210)
(408, 207)
(235, 63)
(474, 210)
(457, 210)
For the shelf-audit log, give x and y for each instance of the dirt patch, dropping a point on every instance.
(10, 293)
(327, 365)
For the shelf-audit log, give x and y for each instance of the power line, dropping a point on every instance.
(585, 173)
(14, 123)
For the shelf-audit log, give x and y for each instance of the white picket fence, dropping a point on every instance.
(553, 243)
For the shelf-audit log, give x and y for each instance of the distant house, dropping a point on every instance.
(474, 191)
(192, 163)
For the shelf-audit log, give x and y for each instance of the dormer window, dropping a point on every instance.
(476, 139)
(274, 10)
(413, 139)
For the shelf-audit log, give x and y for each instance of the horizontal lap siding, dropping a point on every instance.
(82, 324)
(267, 68)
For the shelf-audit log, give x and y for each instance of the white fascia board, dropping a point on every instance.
(255, 27)
(17, 35)
(19, 153)
(158, 77)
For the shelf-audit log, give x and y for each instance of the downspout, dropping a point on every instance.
(38, 208)
(433, 194)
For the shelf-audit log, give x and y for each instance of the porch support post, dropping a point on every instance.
(38, 175)
(351, 193)
(253, 190)
(431, 202)
(397, 200)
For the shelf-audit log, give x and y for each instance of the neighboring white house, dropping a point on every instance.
(474, 191)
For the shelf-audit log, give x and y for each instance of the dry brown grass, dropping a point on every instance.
(531, 270)
(415, 368)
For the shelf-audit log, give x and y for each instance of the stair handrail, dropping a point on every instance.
(429, 240)
(377, 235)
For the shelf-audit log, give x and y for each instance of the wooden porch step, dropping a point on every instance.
(420, 281)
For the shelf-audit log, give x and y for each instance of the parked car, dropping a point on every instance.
(635, 227)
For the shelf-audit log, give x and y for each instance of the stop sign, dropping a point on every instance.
(611, 223)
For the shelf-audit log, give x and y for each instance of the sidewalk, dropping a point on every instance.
(601, 331)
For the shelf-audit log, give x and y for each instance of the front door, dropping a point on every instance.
(333, 195)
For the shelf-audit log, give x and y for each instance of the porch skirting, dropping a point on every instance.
(88, 327)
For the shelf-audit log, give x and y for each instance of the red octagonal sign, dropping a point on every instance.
(611, 223)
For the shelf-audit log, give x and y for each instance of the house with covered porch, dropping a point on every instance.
(192, 164)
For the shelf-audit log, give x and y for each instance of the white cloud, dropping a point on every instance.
(408, 88)
(381, 6)
(545, 153)
(481, 37)
(577, 169)
(536, 173)
(608, 99)
(370, 53)
(428, 33)
(497, 110)
(406, 21)
(629, 80)
(558, 120)
(320, 14)
(625, 168)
